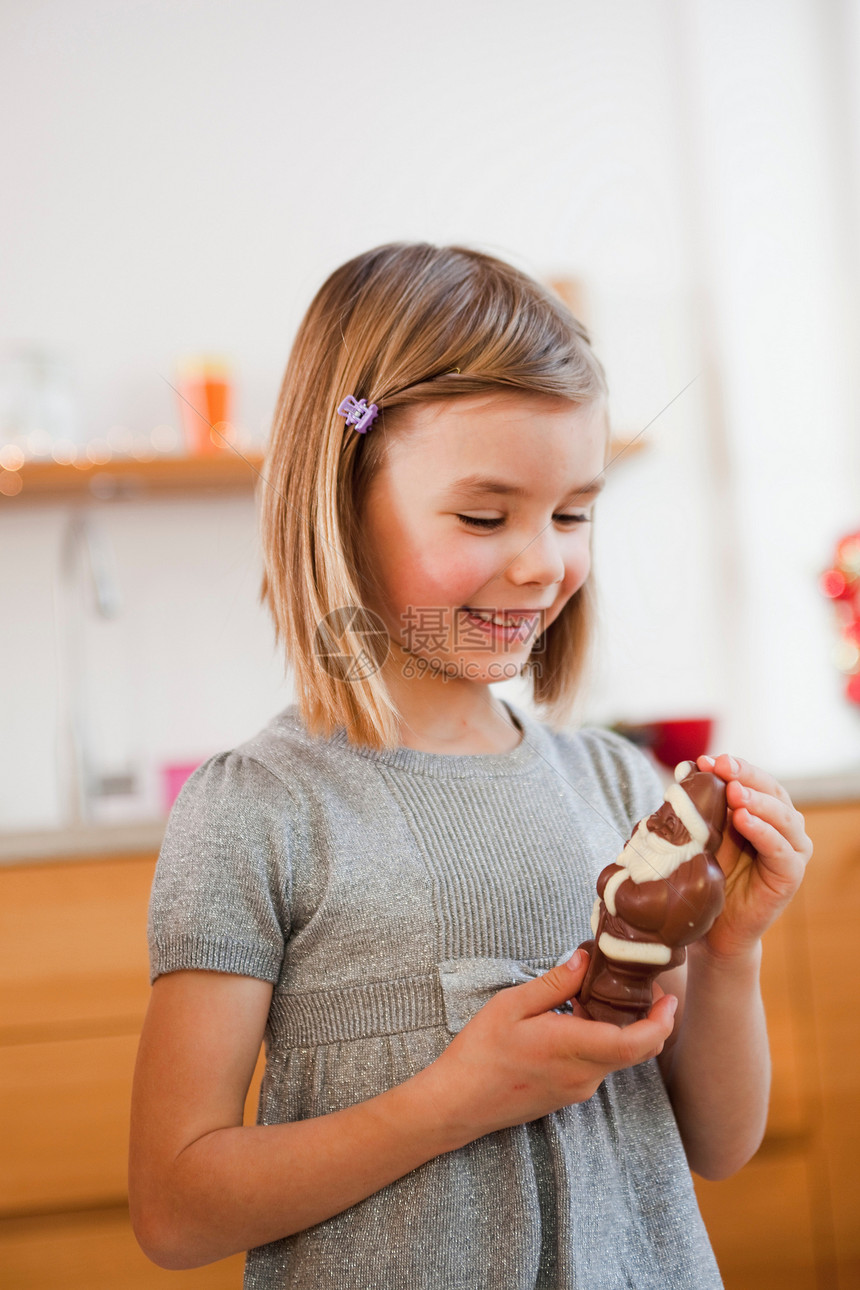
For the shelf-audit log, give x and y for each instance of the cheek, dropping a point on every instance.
(577, 568)
(457, 569)
(422, 573)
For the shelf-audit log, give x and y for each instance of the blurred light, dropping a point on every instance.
(846, 656)
(833, 583)
(849, 555)
(99, 451)
(141, 448)
(11, 457)
(11, 483)
(119, 439)
(222, 434)
(64, 452)
(243, 439)
(39, 443)
(166, 439)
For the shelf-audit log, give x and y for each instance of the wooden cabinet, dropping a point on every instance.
(791, 1218)
(74, 986)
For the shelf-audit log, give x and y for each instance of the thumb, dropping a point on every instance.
(554, 987)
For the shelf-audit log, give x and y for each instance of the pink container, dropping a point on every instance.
(173, 776)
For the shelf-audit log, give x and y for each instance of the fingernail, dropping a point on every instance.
(734, 765)
(575, 961)
(705, 757)
(673, 1004)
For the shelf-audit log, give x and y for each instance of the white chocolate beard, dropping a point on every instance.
(648, 857)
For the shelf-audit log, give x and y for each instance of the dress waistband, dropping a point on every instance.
(449, 996)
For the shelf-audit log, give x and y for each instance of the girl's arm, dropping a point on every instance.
(717, 1064)
(202, 1186)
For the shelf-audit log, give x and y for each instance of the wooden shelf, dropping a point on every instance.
(160, 476)
(125, 477)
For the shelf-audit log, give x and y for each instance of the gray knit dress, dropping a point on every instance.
(387, 896)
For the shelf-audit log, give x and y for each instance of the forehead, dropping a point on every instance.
(493, 444)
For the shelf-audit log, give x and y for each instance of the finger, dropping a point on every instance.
(775, 854)
(782, 816)
(736, 852)
(615, 1047)
(551, 988)
(735, 768)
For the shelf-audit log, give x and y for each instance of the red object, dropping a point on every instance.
(841, 584)
(835, 585)
(682, 740)
(671, 741)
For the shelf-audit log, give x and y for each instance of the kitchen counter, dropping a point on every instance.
(811, 789)
(90, 840)
(74, 989)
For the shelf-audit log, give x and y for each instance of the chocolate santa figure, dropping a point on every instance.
(663, 892)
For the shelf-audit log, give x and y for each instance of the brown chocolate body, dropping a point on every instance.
(669, 912)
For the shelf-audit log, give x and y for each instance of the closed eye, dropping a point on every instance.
(480, 522)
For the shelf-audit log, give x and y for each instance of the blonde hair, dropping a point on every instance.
(401, 325)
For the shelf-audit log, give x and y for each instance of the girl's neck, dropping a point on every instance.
(502, 737)
(453, 718)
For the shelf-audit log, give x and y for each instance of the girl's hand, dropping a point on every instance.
(764, 854)
(517, 1060)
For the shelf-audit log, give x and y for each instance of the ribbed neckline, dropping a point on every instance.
(518, 761)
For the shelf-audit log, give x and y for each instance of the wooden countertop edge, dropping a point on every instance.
(92, 842)
(841, 788)
(85, 842)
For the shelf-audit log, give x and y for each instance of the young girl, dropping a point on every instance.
(385, 884)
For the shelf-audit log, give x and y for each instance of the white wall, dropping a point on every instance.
(182, 176)
(773, 181)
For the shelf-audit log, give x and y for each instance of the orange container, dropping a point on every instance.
(205, 397)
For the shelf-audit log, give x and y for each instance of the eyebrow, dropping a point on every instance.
(482, 485)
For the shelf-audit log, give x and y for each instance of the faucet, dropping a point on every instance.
(83, 543)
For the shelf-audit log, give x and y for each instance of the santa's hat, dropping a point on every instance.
(698, 798)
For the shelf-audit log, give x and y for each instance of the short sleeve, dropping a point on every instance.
(220, 897)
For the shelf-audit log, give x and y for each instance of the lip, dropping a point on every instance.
(486, 609)
(517, 631)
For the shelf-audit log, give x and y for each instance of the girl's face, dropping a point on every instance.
(515, 545)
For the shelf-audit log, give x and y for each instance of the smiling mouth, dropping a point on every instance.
(511, 622)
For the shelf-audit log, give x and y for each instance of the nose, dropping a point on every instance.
(540, 560)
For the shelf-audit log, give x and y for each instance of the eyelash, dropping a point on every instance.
(494, 524)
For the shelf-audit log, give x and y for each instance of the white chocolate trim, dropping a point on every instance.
(686, 812)
(648, 859)
(634, 951)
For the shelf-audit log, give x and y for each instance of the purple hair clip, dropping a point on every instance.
(357, 413)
